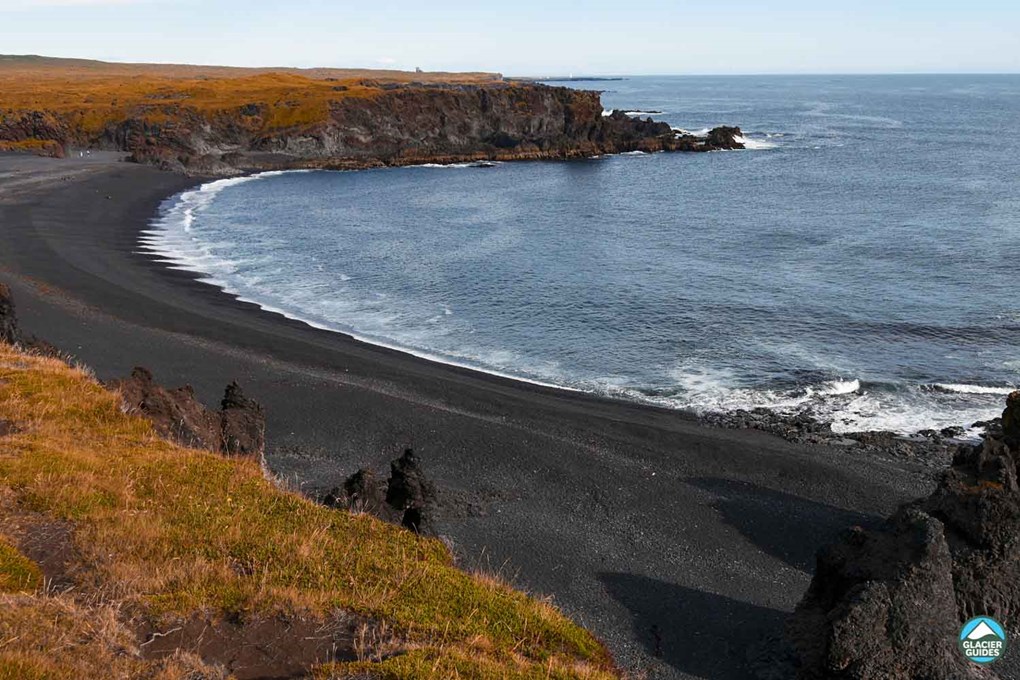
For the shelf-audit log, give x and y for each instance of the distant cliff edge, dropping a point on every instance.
(222, 122)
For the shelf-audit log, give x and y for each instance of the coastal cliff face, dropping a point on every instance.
(224, 125)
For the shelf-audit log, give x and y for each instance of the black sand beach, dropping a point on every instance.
(680, 545)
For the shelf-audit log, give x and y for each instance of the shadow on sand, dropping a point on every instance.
(785, 526)
(698, 633)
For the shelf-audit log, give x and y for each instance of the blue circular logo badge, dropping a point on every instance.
(982, 640)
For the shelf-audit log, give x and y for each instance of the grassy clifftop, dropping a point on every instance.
(81, 98)
(167, 562)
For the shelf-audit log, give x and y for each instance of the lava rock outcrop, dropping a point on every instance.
(889, 603)
(394, 124)
(237, 429)
(407, 497)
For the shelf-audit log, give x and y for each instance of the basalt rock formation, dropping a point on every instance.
(406, 498)
(889, 603)
(224, 122)
(405, 126)
(238, 429)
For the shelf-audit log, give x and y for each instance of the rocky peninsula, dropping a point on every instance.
(214, 121)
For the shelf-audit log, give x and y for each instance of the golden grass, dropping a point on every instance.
(176, 531)
(88, 95)
(56, 638)
(18, 574)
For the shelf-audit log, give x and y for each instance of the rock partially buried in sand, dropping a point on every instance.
(408, 497)
(889, 603)
(407, 487)
(361, 492)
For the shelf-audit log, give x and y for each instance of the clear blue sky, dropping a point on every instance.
(530, 37)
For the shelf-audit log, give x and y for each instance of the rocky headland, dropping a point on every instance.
(223, 123)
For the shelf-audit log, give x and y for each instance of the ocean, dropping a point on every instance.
(859, 262)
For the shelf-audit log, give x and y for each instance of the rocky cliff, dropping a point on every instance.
(223, 124)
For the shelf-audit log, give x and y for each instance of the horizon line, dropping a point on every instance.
(552, 76)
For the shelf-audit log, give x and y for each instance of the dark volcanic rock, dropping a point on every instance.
(7, 428)
(724, 137)
(888, 603)
(1011, 419)
(176, 413)
(8, 318)
(978, 500)
(410, 493)
(237, 429)
(881, 605)
(242, 423)
(361, 492)
(408, 497)
(407, 486)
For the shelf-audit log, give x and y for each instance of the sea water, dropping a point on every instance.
(860, 261)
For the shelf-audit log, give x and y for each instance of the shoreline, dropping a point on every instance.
(795, 426)
(633, 517)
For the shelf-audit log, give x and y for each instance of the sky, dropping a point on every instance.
(530, 37)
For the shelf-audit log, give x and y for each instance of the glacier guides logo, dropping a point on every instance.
(982, 640)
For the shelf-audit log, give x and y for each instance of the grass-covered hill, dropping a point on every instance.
(125, 556)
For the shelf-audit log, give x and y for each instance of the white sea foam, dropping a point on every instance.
(835, 387)
(170, 241)
(754, 144)
(847, 404)
(972, 389)
(459, 166)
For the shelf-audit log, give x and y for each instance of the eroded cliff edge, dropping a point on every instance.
(216, 123)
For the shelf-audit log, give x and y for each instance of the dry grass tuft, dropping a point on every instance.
(18, 574)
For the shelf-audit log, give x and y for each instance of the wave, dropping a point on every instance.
(458, 166)
(754, 144)
(848, 405)
(971, 389)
